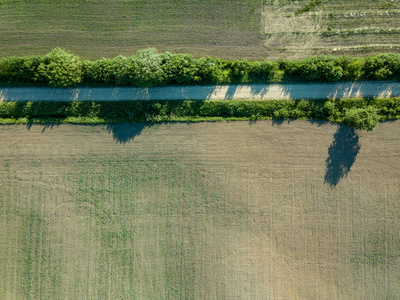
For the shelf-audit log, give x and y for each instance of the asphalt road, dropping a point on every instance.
(228, 92)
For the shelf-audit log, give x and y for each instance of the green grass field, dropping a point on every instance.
(235, 29)
(229, 210)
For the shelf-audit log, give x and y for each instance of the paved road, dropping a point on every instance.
(251, 92)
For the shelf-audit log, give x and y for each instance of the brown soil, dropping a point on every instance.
(233, 210)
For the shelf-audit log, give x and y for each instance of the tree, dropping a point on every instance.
(383, 66)
(146, 68)
(181, 68)
(362, 118)
(60, 68)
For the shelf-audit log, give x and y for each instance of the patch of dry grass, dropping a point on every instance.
(288, 35)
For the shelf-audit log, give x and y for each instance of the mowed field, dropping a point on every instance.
(234, 29)
(238, 210)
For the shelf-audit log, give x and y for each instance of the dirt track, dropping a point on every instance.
(228, 92)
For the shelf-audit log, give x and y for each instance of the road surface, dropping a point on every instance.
(228, 92)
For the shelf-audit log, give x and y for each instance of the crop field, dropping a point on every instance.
(234, 29)
(331, 27)
(228, 210)
(97, 28)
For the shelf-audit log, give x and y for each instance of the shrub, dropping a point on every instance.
(319, 68)
(206, 70)
(383, 66)
(262, 70)
(330, 71)
(60, 68)
(99, 71)
(181, 68)
(353, 67)
(359, 113)
(20, 69)
(240, 69)
(281, 113)
(362, 118)
(146, 68)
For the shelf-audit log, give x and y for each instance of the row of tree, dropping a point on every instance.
(149, 68)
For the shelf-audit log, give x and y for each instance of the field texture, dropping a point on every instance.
(365, 27)
(235, 29)
(92, 29)
(238, 210)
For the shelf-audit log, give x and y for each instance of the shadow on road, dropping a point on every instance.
(283, 90)
(231, 91)
(123, 133)
(363, 89)
(342, 154)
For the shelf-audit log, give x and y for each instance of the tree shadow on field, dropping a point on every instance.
(279, 121)
(44, 126)
(342, 154)
(123, 133)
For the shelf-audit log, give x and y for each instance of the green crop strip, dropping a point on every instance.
(308, 7)
(350, 111)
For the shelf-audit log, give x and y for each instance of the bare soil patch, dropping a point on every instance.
(208, 210)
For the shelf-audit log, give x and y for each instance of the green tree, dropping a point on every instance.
(206, 70)
(60, 68)
(181, 68)
(353, 67)
(240, 69)
(146, 68)
(362, 118)
(262, 70)
(384, 66)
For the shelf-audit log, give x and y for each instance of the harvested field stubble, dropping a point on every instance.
(373, 27)
(199, 211)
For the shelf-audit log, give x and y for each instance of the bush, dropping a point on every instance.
(262, 70)
(353, 67)
(60, 68)
(383, 67)
(362, 118)
(319, 68)
(181, 68)
(146, 68)
(99, 71)
(20, 69)
(240, 70)
(206, 70)
(359, 113)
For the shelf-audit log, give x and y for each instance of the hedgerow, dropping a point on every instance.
(359, 113)
(149, 68)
